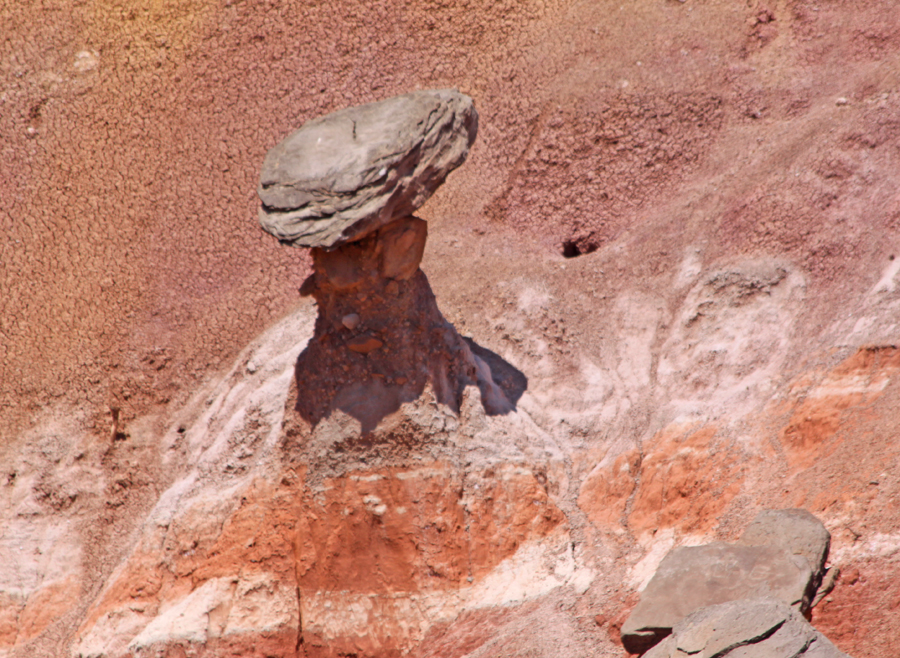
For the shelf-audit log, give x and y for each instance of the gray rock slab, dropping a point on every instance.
(749, 628)
(795, 530)
(342, 176)
(694, 577)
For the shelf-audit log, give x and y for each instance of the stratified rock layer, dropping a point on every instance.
(320, 544)
(344, 175)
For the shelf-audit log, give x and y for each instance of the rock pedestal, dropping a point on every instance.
(346, 185)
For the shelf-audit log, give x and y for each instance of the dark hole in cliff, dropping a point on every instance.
(34, 113)
(573, 248)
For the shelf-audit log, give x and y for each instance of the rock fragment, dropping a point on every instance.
(795, 530)
(342, 176)
(404, 245)
(749, 628)
(693, 577)
(364, 344)
(781, 555)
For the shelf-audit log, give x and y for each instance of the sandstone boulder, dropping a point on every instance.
(751, 628)
(694, 577)
(795, 530)
(342, 176)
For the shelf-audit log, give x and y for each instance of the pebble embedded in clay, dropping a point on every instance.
(364, 344)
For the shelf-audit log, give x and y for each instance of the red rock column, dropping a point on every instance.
(379, 337)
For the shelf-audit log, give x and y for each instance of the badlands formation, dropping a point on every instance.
(666, 344)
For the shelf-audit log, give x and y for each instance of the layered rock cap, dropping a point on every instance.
(342, 176)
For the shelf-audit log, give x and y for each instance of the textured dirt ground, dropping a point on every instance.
(680, 221)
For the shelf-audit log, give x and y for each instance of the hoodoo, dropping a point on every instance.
(346, 186)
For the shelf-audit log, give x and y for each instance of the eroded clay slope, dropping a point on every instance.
(679, 225)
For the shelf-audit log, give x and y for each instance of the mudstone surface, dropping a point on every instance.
(678, 230)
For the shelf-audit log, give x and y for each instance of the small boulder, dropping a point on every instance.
(694, 577)
(750, 628)
(795, 530)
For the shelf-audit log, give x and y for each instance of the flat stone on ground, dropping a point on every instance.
(690, 578)
(750, 628)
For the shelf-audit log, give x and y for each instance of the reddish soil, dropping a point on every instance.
(618, 141)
